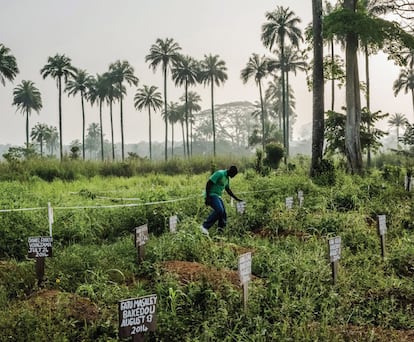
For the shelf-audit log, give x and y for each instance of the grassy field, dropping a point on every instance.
(292, 296)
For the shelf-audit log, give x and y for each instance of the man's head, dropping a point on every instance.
(232, 171)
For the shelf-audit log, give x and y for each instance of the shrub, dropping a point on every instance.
(274, 154)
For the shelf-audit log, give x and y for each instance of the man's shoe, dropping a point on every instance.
(204, 230)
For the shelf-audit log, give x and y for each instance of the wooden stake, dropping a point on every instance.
(382, 237)
(245, 295)
(334, 266)
(40, 270)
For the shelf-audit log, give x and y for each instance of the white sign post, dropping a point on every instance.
(289, 202)
(334, 255)
(301, 198)
(141, 237)
(50, 216)
(382, 229)
(245, 272)
(173, 223)
(241, 207)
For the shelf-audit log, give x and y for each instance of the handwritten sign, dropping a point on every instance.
(245, 267)
(241, 207)
(173, 223)
(141, 235)
(335, 248)
(382, 224)
(40, 246)
(137, 315)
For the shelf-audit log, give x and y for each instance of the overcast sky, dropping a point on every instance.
(96, 33)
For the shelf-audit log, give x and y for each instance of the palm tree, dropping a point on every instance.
(120, 72)
(398, 120)
(371, 8)
(112, 92)
(332, 61)
(281, 25)
(51, 139)
(193, 106)
(273, 95)
(164, 52)
(57, 67)
(39, 133)
(8, 65)
(27, 98)
(93, 136)
(80, 83)
(98, 93)
(172, 116)
(318, 90)
(405, 81)
(185, 72)
(148, 97)
(257, 67)
(294, 61)
(213, 71)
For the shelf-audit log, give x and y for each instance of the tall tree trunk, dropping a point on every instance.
(100, 122)
(191, 136)
(60, 117)
(182, 132)
(212, 116)
(263, 115)
(166, 113)
(27, 128)
(186, 119)
(318, 105)
(122, 124)
(112, 130)
(172, 139)
(353, 101)
(282, 50)
(287, 110)
(149, 132)
(368, 100)
(332, 75)
(83, 126)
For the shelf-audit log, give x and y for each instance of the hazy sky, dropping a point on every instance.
(95, 33)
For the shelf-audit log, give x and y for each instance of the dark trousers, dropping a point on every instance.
(218, 214)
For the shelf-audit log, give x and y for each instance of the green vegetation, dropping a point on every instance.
(291, 295)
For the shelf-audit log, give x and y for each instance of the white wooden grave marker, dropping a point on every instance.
(141, 237)
(382, 229)
(173, 223)
(334, 255)
(301, 198)
(289, 202)
(245, 272)
(241, 207)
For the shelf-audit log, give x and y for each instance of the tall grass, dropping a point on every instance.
(291, 295)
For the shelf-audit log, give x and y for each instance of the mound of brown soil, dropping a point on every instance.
(192, 271)
(68, 304)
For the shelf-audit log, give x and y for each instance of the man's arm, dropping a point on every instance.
(228, 190)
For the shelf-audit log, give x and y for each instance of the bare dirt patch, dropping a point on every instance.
(187, 272)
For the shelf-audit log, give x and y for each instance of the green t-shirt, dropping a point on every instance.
(220, 181)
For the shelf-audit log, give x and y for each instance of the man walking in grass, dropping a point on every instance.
(218, 181)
